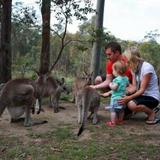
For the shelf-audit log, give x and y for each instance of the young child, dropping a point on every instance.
(118, 90)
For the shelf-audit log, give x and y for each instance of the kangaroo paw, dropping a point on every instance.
(40, 110)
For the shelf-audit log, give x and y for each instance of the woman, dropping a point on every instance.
(147, 96)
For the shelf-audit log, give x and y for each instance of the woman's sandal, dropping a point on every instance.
(110, 124)
(152, 122)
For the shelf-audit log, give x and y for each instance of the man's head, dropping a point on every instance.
(113, 51)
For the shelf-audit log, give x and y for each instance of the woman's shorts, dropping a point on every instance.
(148, 101)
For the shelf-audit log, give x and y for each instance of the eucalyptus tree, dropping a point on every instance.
(97, 45)
(24, 24)
(67, 12)
(5, 40)
(45, 50)
(81, 49)
(26, 37)
(150, 51)
(150, 48)
(64, 12)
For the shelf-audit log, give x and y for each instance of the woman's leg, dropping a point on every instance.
(141, 108)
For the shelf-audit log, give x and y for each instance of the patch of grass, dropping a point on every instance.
(66, 97)
(10, 147)
(79, 151)
(62, 134)
(129, 149)
(104, 143)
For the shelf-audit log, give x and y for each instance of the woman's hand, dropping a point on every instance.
(124, 100)
(130, 89)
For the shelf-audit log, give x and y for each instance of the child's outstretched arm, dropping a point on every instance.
(106, 94)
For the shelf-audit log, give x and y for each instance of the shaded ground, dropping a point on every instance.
(134, 138)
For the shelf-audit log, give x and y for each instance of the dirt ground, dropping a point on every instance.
(69, 116)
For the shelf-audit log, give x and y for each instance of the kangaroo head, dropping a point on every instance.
(42, 78)
(87, 78)
(62, 86)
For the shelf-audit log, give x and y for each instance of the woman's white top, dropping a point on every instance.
(152, 88)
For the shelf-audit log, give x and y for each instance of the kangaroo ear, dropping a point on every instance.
(48, 74)
(38, 73)
(91, 74)
(85, 73)
(62, 80)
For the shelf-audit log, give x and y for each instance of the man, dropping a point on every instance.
(114, 53)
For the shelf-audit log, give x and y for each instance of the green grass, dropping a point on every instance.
(62, 144)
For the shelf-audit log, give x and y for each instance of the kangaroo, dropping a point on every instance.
(47, 86)
(79, 83)
(87, 99)
(18, 96)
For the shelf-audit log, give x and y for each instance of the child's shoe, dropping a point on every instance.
(110, 124)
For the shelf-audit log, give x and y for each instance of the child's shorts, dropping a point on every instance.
(115, 107)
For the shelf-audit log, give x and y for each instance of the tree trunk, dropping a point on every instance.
(97, 45)
(45, 51)
(5, 41)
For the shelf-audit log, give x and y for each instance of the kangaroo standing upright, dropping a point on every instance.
(47, 86)
(87, 99)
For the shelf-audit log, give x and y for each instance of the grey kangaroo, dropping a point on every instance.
(47, 86)
(18, 96)
(87, 99)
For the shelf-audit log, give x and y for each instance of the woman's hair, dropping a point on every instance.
(132, 53)
(133, 57)
(120, 67)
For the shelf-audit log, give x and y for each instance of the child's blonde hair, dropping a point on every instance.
(120, 67)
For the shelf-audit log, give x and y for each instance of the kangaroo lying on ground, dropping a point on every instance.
(87, 99)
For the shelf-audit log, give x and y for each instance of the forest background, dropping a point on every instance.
(67, 54)
(26, 45)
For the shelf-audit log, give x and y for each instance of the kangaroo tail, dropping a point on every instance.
(85, 107)
(39, 122)
(80, 130)
(2, 107)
